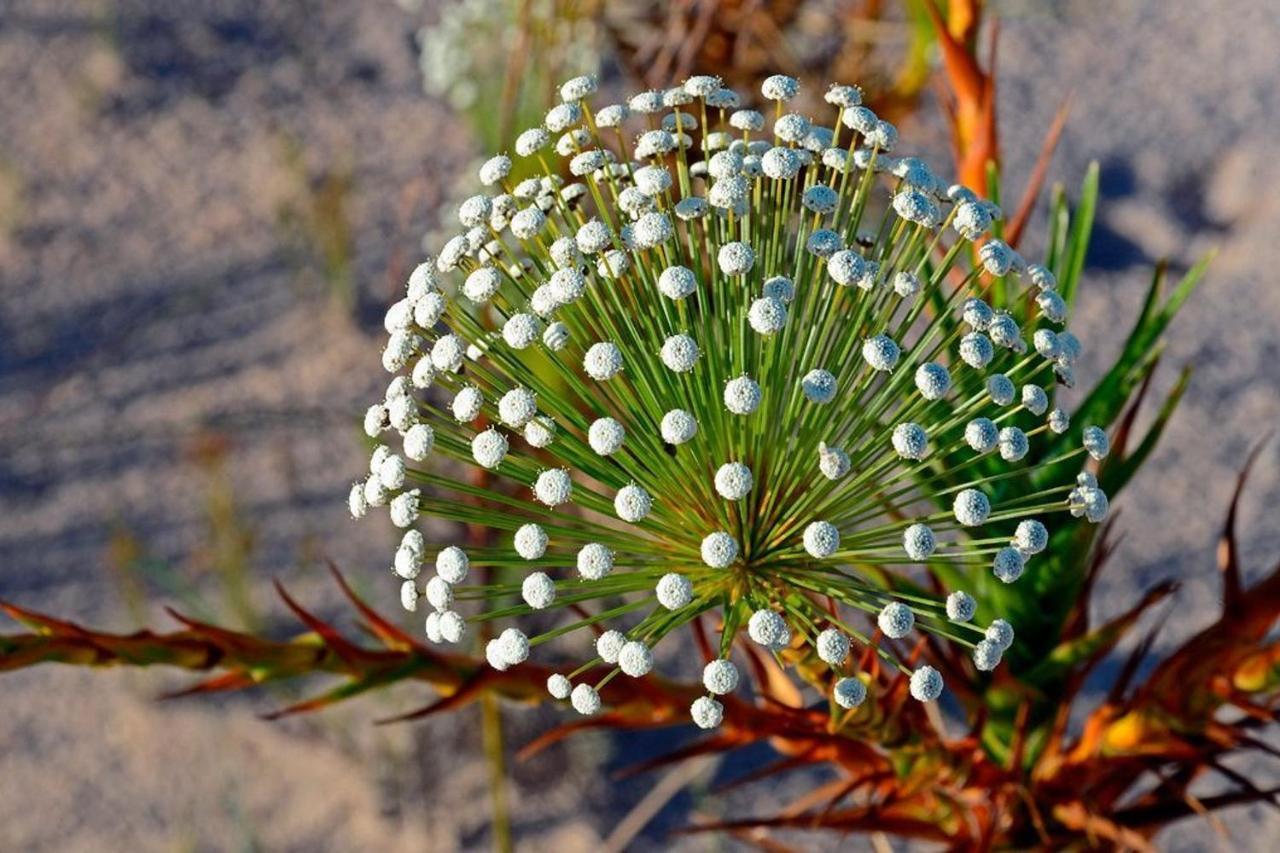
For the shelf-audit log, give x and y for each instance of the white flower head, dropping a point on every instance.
(733, 481)
(961, 606)
(719, 550)
(821, 539)
(678, 427)
(720, 345)
(769, 629)
(742, 395)
(720, 677)
(849, 693)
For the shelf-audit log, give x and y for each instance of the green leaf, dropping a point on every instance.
(1077, 247)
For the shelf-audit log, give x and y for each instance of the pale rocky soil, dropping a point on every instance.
(149, 297)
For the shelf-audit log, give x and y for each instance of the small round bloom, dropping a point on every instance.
(833, 462)
(1005, 332)
(1034, 399)
(603, 361)
(677, 282)
(531, 141)
(609, 645)
(418, 441)
(736, 258)
(916, 207)
(531, 541)
(849, 693)
(961, 606)
(986, 655)
(769, 629)
(585, 700)
(1001, 389)
(1046, 343)
(540, 431)
(781, 164)
(452, 564)
(1041, 277)
(720, 677)
(404, 508)
(538, 590)
(1059, 421)
(563, 116)
(707, 713)
(1052, 306)
(1031, 537)
(674, 591)
(820, 199)
(452, 626)
(578, 88)
(568, 285)
(981, 434)
(595, 561)
(635, 659)
(391, 471)
(356, 502)
(439, 593)
(606, 436)
(556, 336)
(553, 487)
(1090, 502)
(489, 448)
(746, 120)
(821, 539)
(632, 503)
(447, 353)
(976, 350)
(495, 169)
(733, 481)
(1008, 564)
(971, 220)
(719, 550)
(593, 237)
(779, 287)
(896, 620)
(409, 596)
(971, 507)
(926, 684)
(881, 352)
(741, 395)
(424, 373)
(680, 353)
(819, 386)
(1096, 442)
(767, 315)
(558, 686)
(517, 407)
(843, 96)
(1013, 444)
(1000, 632)
(408, 563)
(846, 267)
(780, 87)
(933, 380)
(919, 542)
(996, 257)
(910, 441)
(832, 647)
(678, 426)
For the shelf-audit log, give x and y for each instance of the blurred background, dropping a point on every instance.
(205, 209)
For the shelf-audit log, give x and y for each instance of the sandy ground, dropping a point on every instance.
(154, 163)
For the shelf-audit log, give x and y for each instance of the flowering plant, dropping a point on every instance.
(732, 371)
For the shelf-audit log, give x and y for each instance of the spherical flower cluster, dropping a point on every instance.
(722, 366)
